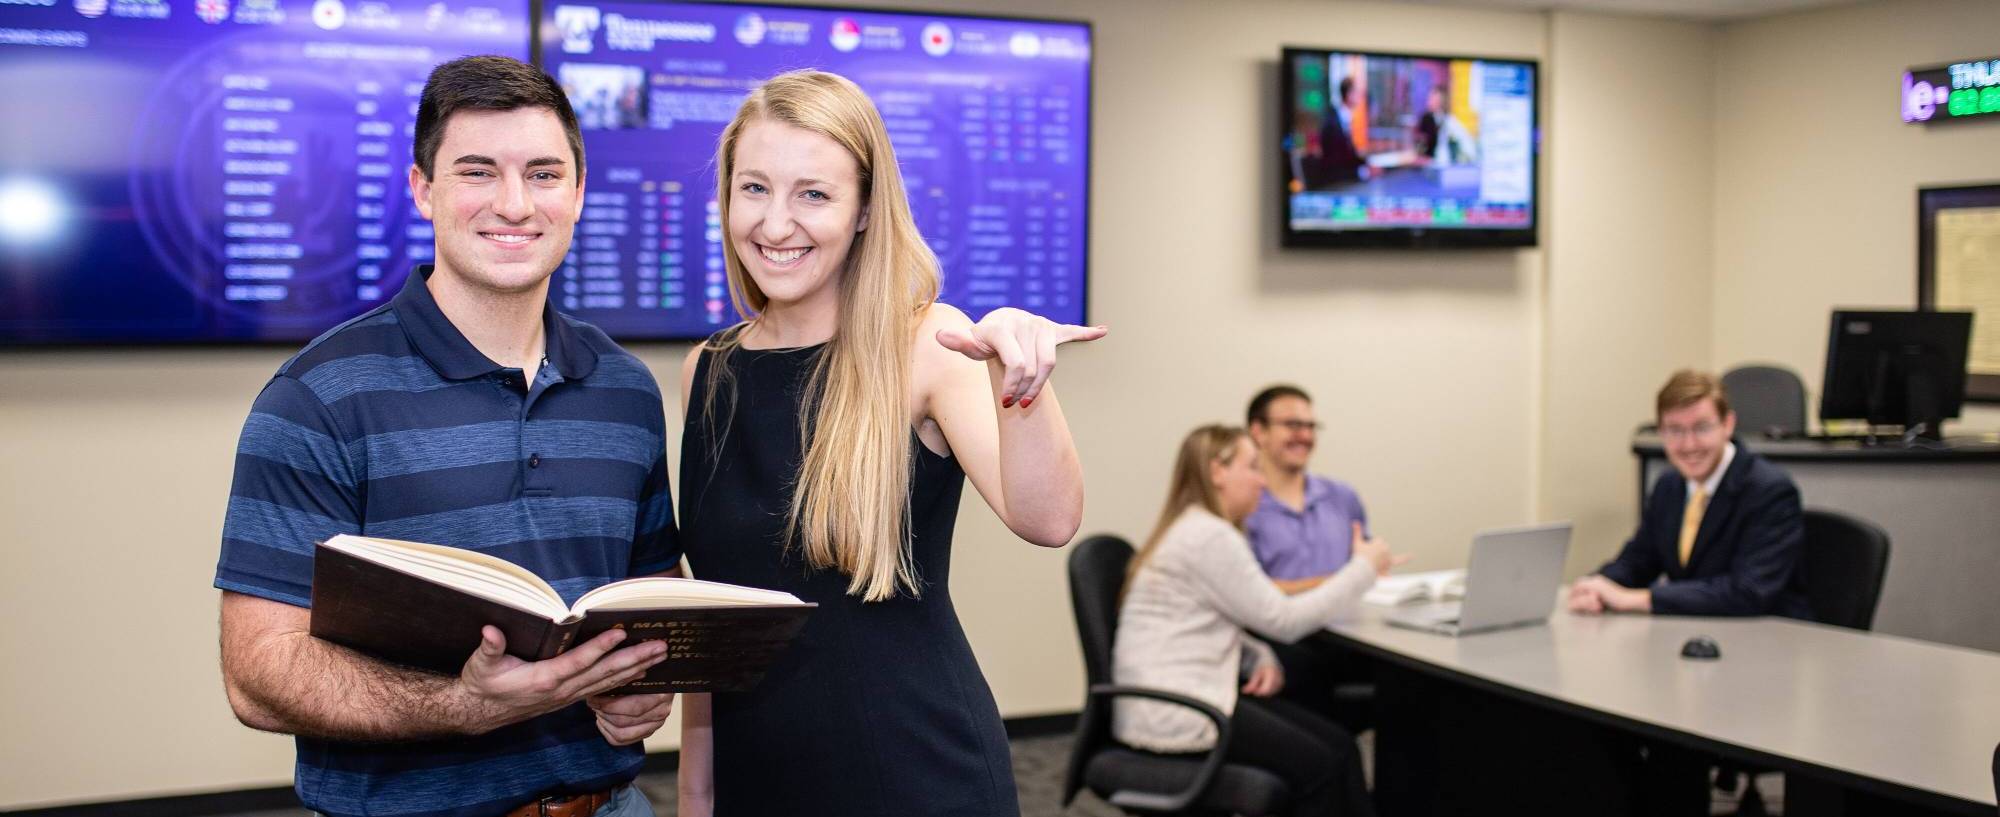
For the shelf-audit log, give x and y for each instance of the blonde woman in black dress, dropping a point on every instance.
(827, 439)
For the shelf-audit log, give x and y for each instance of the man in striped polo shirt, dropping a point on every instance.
(466, 412)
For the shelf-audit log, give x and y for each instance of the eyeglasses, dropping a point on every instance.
(1697, 431)
(1296, 426)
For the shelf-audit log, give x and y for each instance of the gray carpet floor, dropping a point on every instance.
(1038, 770)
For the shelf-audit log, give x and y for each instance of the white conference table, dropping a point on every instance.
(1906, 719)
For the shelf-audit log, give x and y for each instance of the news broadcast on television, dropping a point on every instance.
(1386, 141)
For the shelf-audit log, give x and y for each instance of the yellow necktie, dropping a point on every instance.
(1691, 521)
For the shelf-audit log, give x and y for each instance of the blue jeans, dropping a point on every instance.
(629, 802)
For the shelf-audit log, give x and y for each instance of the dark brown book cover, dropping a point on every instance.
(709, 649)
(411, 620)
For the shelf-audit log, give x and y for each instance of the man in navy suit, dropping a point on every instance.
(1724, 527)
(1725, 532)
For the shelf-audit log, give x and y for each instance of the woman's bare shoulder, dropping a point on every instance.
(939, 315)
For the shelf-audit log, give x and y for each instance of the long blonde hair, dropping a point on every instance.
(1189, 485)
(850, 503)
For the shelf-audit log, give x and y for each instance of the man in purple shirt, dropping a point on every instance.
(1304, 526)
(1303, 531)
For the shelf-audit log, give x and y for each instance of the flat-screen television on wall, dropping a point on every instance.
(990, 119)
(1407, 150)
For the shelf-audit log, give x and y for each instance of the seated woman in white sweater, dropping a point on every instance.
(1193, 590)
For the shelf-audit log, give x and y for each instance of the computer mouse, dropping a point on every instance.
(1702, 648)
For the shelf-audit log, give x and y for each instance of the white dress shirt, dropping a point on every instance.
(1708, 486)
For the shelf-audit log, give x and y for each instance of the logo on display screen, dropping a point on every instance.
(578, 25)
(1025, 45)
(937, 39)
(329, 14)
(750, 29)
(845, 35)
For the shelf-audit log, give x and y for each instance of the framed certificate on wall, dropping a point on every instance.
(1958, 268)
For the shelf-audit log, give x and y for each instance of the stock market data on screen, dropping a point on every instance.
(989, 118)
(216, 170)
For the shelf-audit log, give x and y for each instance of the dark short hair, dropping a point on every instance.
(1346, 87)
(1688, 387)
(488, 83)
(1260, 406)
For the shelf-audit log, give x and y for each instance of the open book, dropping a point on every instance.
(1436, 585)
(423, 605)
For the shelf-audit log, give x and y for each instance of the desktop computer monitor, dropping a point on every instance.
(1896, 368)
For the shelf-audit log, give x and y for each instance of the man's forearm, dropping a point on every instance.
(297, 684)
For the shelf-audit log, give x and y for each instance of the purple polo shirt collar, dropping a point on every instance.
(1312, 541)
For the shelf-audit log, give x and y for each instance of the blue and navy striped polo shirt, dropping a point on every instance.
(393, 425)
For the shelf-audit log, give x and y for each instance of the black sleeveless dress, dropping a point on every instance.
(876, 708)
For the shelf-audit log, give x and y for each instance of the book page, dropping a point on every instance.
(488, 577)
(1434, 585)
(1968, 278)
(667, 591)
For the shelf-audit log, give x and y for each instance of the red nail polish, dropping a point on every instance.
(1028, 402)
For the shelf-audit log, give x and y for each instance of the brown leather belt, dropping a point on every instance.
(568, 805)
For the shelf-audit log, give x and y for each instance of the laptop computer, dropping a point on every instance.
(1511, 582)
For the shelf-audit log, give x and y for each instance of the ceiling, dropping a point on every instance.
(1706, 10)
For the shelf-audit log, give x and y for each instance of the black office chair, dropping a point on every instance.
(1136, 781)
(1845, 560)
(1770, 401)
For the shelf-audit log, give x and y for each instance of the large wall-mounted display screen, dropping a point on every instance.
(990, 119)
(215, 170)
(227, 171)
(1391, 150)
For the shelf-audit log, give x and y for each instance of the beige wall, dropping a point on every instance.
(1816, 175)
(1629, 245)
(1462, 390)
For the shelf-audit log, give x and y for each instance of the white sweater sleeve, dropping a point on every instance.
(1260, 653)
(1228, 575)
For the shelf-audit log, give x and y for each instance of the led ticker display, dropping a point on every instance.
(1952, 93)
